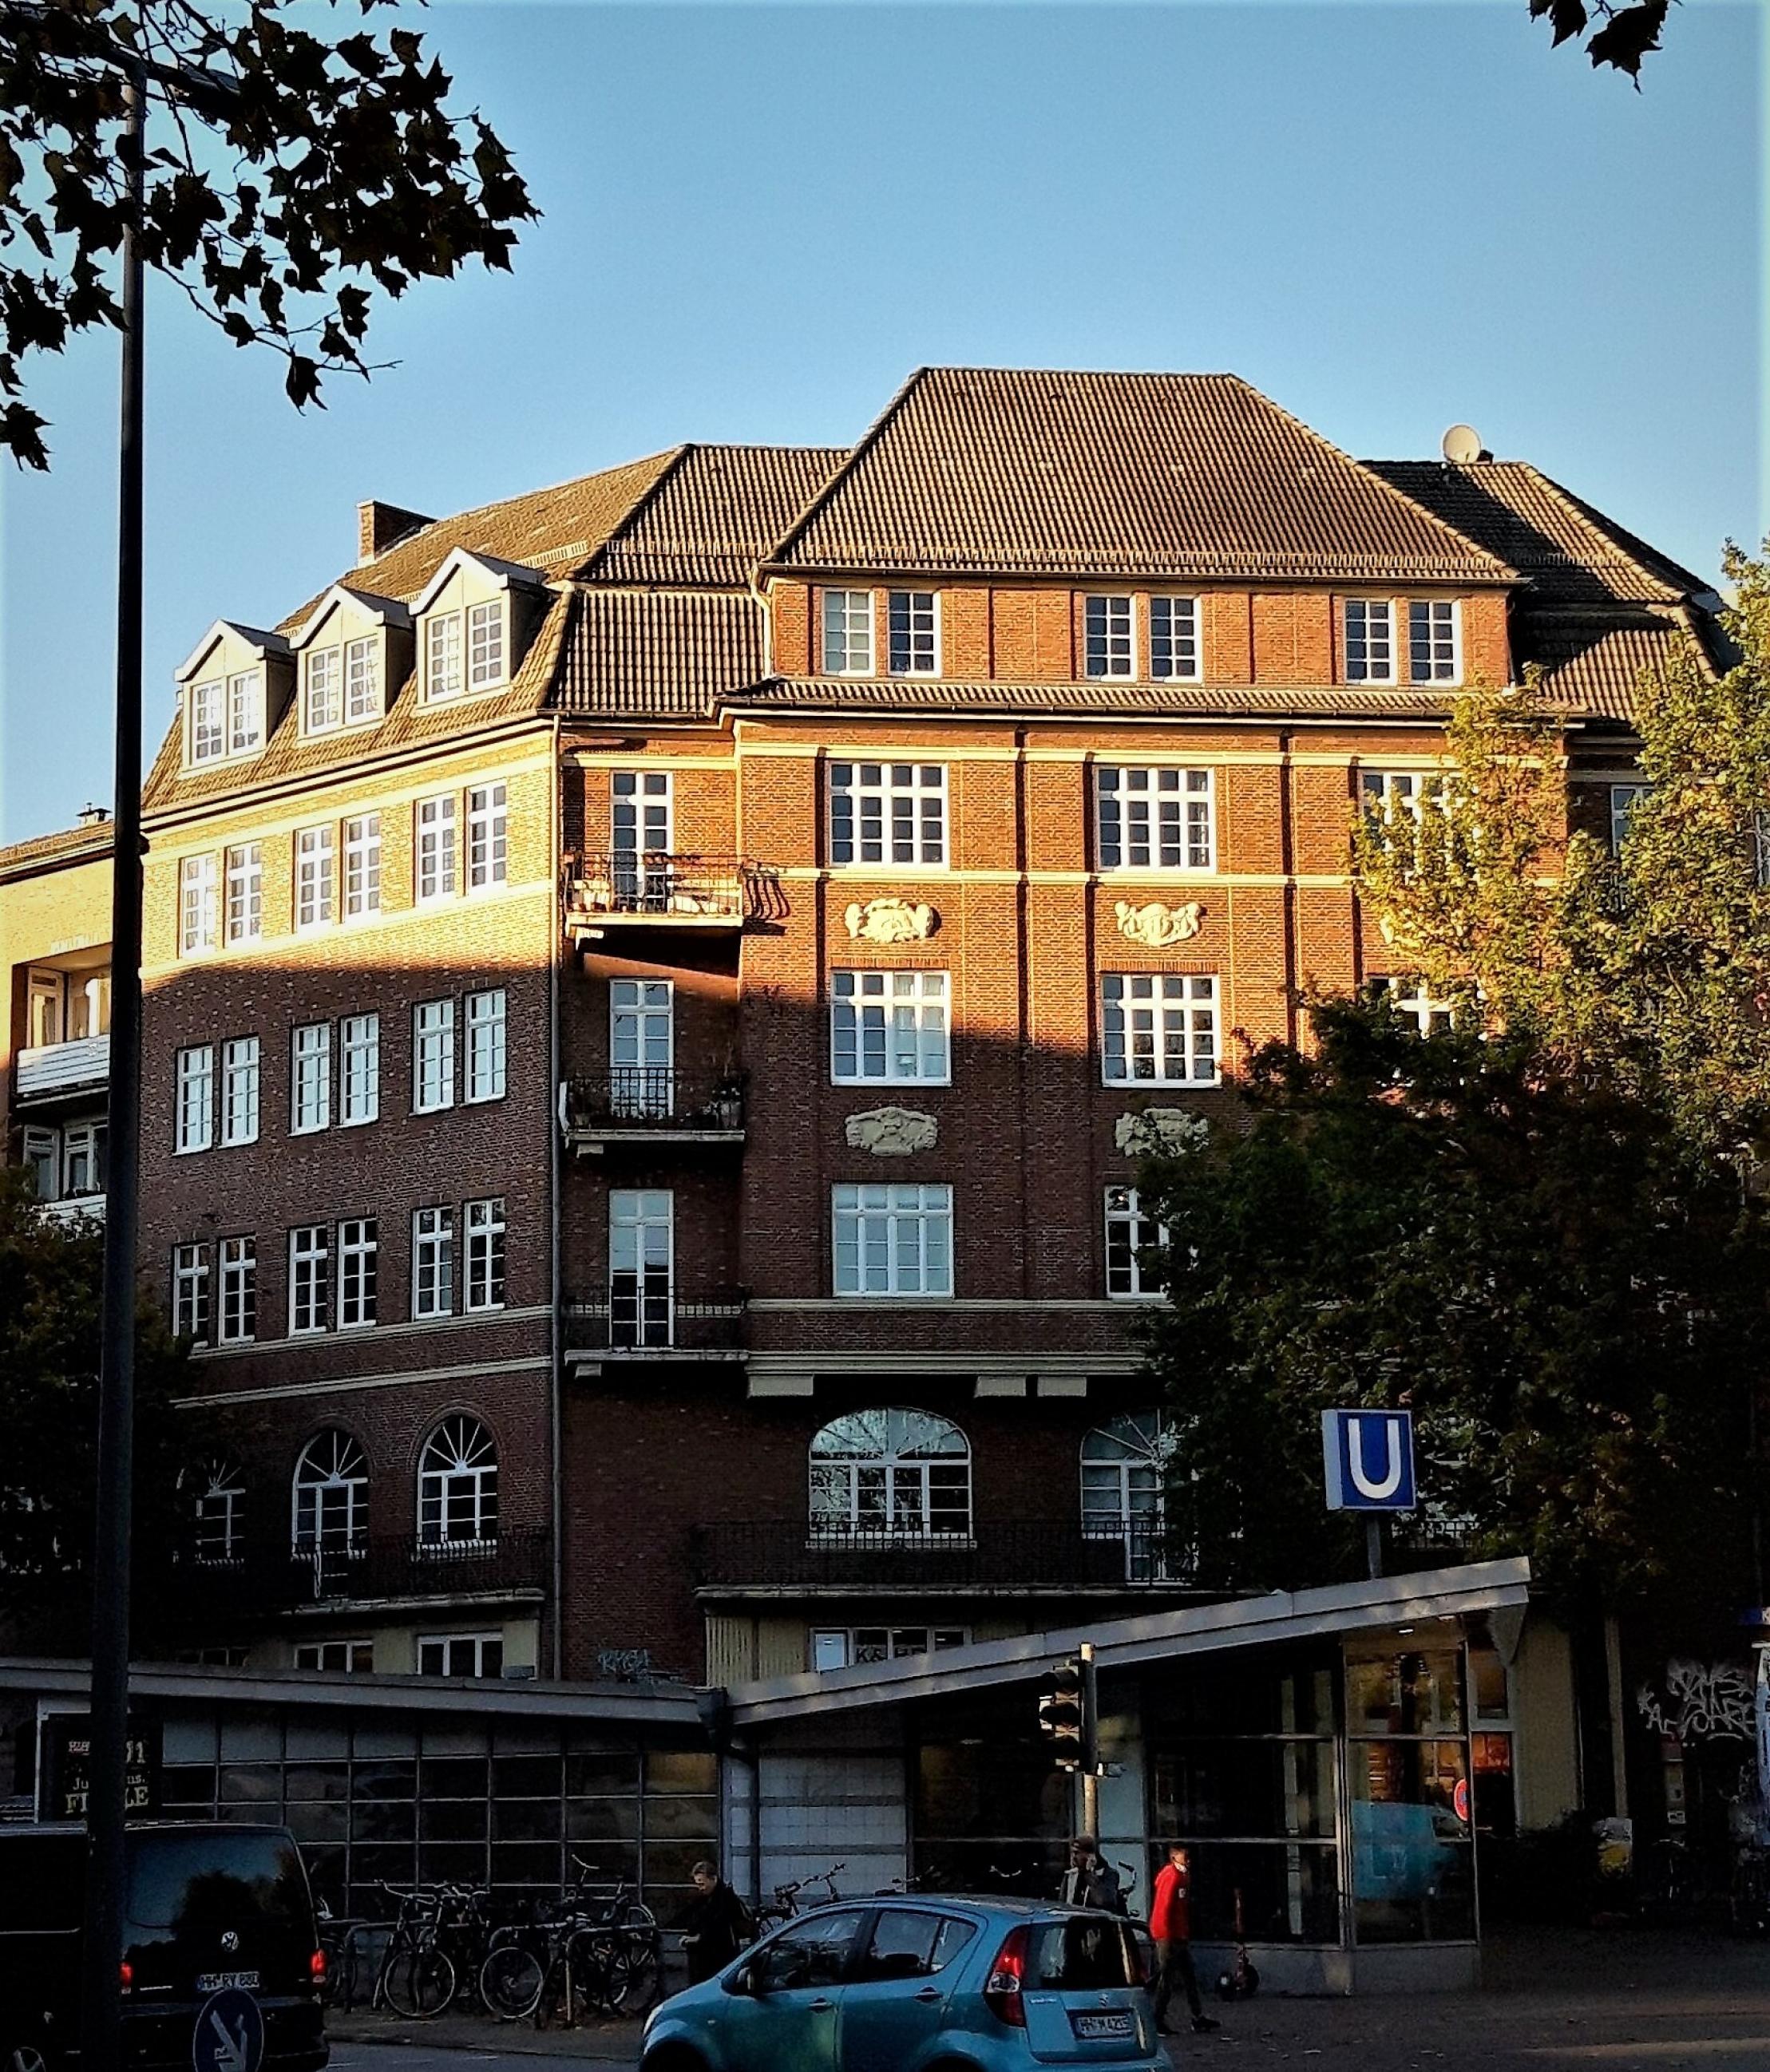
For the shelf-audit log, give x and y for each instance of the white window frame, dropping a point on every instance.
(485, 1066)
(1140, 1011)
(905, 1227)
(845, 619)
(890, 1027)
(1109, 634)
(358, 1271)
(437, 873)
(340, 1525)
(244, 876)
(199, 902)
(1623, 800)
(362, 680)
(642, 1046)
(194, 1106)
(245, 712)
(1368, 623)
(209, 703)
(1160, 818)
(844, 1646)
(1449, 670)
(359, 1069)
(433, 1056)
(41, 1151)
(362, 865)
(889, 815)
(486, 637)
(445, 658)
(309, 1077)
(488, 835)
(310, 1280)
(83, 1144)
(190, 1318)
(641, 1266)
(482, 1644)
(316, 876)
(1411, 999)
(239, 1091)
(322, 689)
(336, 1658)
(220, 1536)
(912, 632)
(237, 1312)
(1183, 636)
(1129, 1234)
(485, 1263)
(1123, 1467)
(872, 1479)
(458, 1485)
(433, 1261)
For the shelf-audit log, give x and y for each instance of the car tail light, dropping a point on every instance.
(125, 1976)
(1007, 1976)
(316, 1967)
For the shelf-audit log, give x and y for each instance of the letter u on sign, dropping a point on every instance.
(1368, 1457)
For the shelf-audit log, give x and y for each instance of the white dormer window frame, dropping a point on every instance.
(322, 689)
(208, 741)
(487, 643)
(445, 664)
(467, 627)
(245, 711)
(363, 665)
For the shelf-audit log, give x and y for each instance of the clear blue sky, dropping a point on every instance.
(758, 219)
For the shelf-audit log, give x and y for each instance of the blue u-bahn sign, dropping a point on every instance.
(1369, 1455)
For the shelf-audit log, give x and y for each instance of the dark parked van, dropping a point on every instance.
(209, 1906)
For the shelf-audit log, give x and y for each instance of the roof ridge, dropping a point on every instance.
(522, 496)
(1631, 544)
(867, 440)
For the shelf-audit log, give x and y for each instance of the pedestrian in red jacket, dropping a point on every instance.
(1171, 1927)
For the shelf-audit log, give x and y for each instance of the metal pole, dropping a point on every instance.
(1090, 1743)
(1373, 1544)
(108, 1767)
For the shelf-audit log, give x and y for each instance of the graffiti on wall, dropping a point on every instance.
(1700, 1703)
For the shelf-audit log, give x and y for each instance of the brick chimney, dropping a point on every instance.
(379, 525)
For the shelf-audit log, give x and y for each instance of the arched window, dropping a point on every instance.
(218, 1487)
(1125, 1467)
(458, 1485)
(890, 1474)
(331, 1495)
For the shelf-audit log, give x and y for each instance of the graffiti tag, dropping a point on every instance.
(1711, 1703)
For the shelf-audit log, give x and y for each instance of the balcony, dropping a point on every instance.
(645, 1104)
(272, 1581)
(658, 889)
(632, 1326)
(1015, 1558)
(50, 1071)
(71, 1208)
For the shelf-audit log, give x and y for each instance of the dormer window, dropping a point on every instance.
(442, 656)
(208, 741)
(362, 682)
(478, 614)
(485, 644)
(325, 705)
(245, 712)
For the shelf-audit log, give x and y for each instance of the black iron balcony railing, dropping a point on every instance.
(652, 1101)
(661, 885)
(635, 1321)
(1016, 1555)
(279, 1579)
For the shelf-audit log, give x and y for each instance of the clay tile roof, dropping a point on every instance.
(66, 846)
(713, 515)
(657, 655)
(1005, 471)
(1592, 662)
(1568, 551)
(850, 694)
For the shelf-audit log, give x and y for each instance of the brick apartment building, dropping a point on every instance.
(655, 990)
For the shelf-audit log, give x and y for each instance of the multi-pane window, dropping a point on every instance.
(1623, 800)
(325, 706)
(310, 1277)
(640, 1254)
(641, 1046)
(485, 1046)
(82, 1159)
(1108, 647)
(1432, 644)
(433, 1262)
(336, 1657)
(197, 901)
(195, 1129)
(1174, 638)
(239, 1275)
(641, 830)
(331, 1496)
(1369, 625)
(890, 1474)
(1155, 818)
(310, 1078)
(221, 1509)
(460, 1654)
(357, 1251)
(914, 648)
(362, 865)
(315, 873)
(1408, 788)
(458, 1485)
(436, 846)
(208, 738)
(488, 835)
(245, 711)
(1159, 1027)
(887, 813)
(1130, 1235)
(483, 1288)
(1124, 1466)
(432, 1055)
(245, 892)
(359, 1068)
(850, 1647)
(485, 644)
(848, 633)
(191, 1291)
(442, 656)
(362, 681)
(42, 1149)
(892, 1237)
(1414, 1001)
(888, 1025)
(240, 1091)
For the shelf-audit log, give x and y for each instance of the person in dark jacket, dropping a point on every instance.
(715, 1924)
(1090, 1881)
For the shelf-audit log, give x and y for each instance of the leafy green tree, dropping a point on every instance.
(290, 176)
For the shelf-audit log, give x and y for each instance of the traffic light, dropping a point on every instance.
(1062, 1714)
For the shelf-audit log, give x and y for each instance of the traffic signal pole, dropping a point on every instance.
(1090, 1743)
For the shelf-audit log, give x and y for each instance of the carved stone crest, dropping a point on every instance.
(1160, 1132)
(1156, 924)
(891, 920)
(892, 1132)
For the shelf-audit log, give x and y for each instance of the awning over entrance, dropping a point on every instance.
(1293, 1615)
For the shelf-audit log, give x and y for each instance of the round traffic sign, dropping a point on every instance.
(229, 2033)
(1460, 1800)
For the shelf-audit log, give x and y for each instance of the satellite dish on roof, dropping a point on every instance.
(1461, 443)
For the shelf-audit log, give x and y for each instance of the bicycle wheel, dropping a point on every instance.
(510, 1982)
(420, 1982)
(636, 1976)
(591, 1958)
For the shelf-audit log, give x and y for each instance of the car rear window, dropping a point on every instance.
(214, 1881)
(42, 1883)
(1083, 1954)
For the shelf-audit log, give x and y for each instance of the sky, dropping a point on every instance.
(760, 219)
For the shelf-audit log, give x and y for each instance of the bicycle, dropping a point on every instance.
(785, 1904)
(612, 1959)
(415, 1978)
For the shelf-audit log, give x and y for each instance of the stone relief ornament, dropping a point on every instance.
(1156, 925)
(891, 920)
(1150, 1132)
(892, 1132)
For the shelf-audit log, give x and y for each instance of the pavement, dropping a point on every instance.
(1551, 2000)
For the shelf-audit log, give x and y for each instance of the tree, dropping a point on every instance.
(1626, 29)
(1567, 1300)
(289, 175)
(51, 1275)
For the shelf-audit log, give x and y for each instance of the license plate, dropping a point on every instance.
(1087, 2025)
(218, 1982)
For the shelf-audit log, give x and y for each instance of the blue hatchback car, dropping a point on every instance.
(919, 1984)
